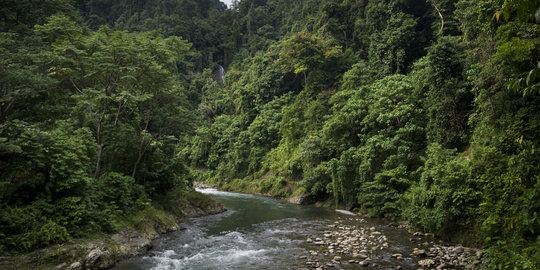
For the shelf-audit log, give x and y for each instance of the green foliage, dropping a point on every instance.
(90, 122)
(514, 255)
(443, 201)
(522, 10)
(120, 191)
(368, 105)
(31, 227)
(21, 16)
(441, 80)
(150, 218)
(390, 47)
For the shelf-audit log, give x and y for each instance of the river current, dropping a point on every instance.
(262, 233)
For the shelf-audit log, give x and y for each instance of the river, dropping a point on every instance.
(262, 233)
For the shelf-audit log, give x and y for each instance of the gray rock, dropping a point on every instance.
(93, 256)
(61, 266)
(363, 263)
(359, 256)
(75, 266)
(441, 266)
(296, 199)
(458, 250)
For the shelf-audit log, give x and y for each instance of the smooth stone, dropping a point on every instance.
(359, 256)
(419, 252)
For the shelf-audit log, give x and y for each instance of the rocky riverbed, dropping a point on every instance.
(351, 244)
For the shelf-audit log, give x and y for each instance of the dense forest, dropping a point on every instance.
(424, 111)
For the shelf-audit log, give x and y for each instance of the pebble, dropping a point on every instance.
(355, 244)
(363, 263)
(419, 252)
(397, 256)
(426, 263)
(359, 256)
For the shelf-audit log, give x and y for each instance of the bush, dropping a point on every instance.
(443, 201)
(29, 227)
(121, 192)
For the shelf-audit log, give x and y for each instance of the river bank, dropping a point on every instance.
(262, 233)
(344, 244)
(104, 251)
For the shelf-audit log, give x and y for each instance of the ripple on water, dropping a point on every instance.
(256, 248)
(261, 233)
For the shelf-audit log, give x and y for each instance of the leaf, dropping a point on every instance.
(298, 68)
(496, 15)
(528, 79)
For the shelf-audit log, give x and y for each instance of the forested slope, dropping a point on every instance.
(92, 118)
(425, 111)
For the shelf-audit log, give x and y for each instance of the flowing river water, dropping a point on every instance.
(262, 233)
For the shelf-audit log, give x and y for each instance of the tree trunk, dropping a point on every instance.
(97, 172)
(142, 150)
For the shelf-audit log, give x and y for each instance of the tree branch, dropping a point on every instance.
(440, 15)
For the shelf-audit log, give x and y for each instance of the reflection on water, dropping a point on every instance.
(256, 233)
